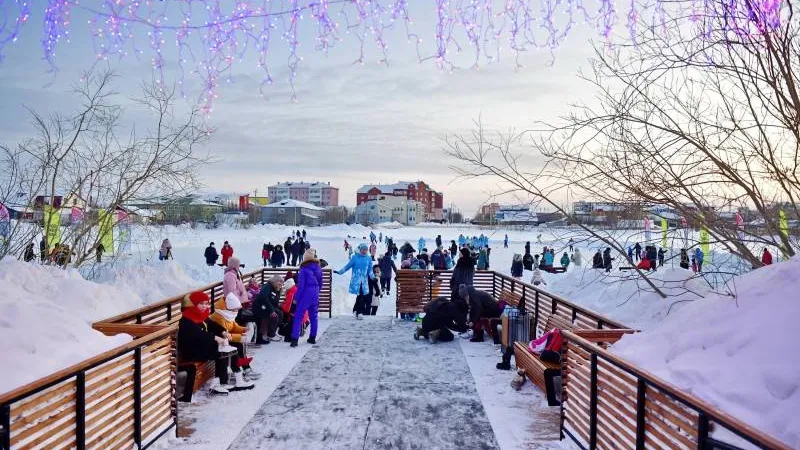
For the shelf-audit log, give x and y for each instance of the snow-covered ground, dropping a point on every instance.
(761, 390)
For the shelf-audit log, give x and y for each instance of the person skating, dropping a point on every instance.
(527, 258)
(387, 267)
(607, 259)
(438, 240)
(405, 250)
(99, 249)
(421, 243)
(375, 293)
(597, 260)
(517, 267)
(766, 257)
(373, 249)
(463, 273)
(483, 259)
(42, 250)
(437, 259)
(309, 283)
(637, 250)
(571, 242)
(453, 249)
(361, 265)
(226, 251)
(565, 261)
(211, 255)
(165, 252)
(699, 256)
(661, 253)
(442, 316)
(277, 258)
(505, 242)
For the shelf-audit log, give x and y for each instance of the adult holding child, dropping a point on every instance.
(309, 284)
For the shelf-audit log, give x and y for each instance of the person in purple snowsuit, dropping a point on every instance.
(309, 283)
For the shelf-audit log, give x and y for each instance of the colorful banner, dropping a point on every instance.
(106, 230)
(647, 226)
(76, 215)
(784, 227)
(740, 226)
(5, 221)
(685, 227)
(704, 245)
(52, 226)
(664, 228)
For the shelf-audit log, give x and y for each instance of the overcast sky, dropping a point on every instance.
(352, 124)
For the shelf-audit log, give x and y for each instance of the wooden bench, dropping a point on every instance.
(511, 298)
(204, 371)
(544, 374)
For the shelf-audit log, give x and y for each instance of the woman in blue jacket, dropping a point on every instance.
(361, 264)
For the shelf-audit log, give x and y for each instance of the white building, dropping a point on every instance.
(389, 208)
(518, 214)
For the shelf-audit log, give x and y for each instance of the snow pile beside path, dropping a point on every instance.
(624, 296)
(46, 320)
(158, 280)
(741, 358)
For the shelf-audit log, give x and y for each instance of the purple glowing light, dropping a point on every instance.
(212, 36)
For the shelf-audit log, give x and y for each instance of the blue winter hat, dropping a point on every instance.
(363, 246)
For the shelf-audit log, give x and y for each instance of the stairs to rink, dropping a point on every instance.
(369, 385)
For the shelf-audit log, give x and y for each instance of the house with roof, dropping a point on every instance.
(292, 212)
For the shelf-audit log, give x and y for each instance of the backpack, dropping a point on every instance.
(548, 346)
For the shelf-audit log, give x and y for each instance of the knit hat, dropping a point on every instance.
(363, 246)
(234, 263)
(462, 290)
(310, 254)
(288, 284)
(289, 275)
(190, 309)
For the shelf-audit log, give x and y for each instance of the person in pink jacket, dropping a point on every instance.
(232, 281)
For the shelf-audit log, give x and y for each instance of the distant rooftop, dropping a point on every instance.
(388, 188)
(293, 204)
(287, 184)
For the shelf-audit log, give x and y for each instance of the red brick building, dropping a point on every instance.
(419, 191)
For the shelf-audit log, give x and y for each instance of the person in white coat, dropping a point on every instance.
(537, 278)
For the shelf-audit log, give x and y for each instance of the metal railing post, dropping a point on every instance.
(212, 297)
(5, 422)
(494, 284)
(641, 399)
(80, 410)
(702, 431)
(137, 396)
(593, 404)
(169, 312)
(138, 319)
(522, 299)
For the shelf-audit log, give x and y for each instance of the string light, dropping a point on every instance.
(211, 38)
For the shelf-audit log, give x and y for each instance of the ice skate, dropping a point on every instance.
(216, 388)
(250, 374)
(240, 383)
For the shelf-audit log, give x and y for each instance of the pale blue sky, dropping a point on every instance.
(352, 124)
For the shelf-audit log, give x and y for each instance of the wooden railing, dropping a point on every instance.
(123, 398)
(168, 311)
(417, 287)
(612, 404)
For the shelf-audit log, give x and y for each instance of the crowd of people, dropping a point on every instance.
(247, 316)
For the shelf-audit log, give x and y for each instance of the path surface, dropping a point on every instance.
(369, 385)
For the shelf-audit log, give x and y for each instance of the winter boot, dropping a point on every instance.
(241, 384)
(216, 388)
(250, 374)
(505, 364)
(312, 340)
(294, 343)
(518, 380)
(433, 336)
(418, 333)
(359, 316)
(477, 336)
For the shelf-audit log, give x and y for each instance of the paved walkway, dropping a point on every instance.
(369, 385)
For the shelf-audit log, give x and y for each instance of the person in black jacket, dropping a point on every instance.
(607, 259)
(463, 273)
(199, 340)
(387, 267)
(441, 316)
(267, 311)
(652, 255)
(277, 258)
(637, 250)
(438, 240)
(406, 250)
(453, 248)
(481, 306)
(597, 260)
(298, 247)
(211, 255)
(527, 258)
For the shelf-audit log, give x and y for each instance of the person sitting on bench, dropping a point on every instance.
(481, 306)
(198, 342)
(441, 316)
(225, 311)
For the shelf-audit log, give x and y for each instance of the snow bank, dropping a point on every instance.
(738, 354)
(43, 308)
(157, 280)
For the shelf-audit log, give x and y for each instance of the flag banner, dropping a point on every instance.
(784, 226)
(685, 227)
(106, 230)
(5, 221)
(76, 215)
(704, 245)
(52, 226)
(740, 227)
(124, 238)
(647, 232)
(664, 228)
